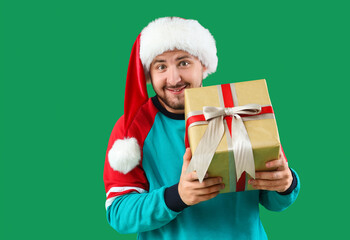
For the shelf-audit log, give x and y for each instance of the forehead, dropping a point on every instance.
(173, 55)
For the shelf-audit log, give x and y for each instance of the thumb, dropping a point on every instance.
(187, 159)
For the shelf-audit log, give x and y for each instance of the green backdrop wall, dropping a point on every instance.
(63, 69)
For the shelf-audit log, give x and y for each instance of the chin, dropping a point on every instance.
(177, 104)
(178, 107)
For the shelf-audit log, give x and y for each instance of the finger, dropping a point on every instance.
(269, 188)
(283, 156)
(192, 176)
(274, 163)
(273, 175)
(186, 159)
(276, 185)
(194, 199)
(209, 190)
(208, 182)
(206, 197)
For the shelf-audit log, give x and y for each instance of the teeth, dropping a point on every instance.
(177, 90)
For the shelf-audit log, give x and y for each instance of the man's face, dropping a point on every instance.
(172, 72)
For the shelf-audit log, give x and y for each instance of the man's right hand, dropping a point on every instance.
(191, 190)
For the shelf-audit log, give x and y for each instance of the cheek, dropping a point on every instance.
(196, 77)
(156, 81)
(156, 87)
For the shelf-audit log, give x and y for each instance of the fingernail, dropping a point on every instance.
(222, 186)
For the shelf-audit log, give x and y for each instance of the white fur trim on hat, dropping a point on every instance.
(169, 33)
(124, 155)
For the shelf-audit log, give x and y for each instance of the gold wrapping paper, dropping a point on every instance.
(262, 133)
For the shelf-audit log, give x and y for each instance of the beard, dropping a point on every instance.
(172, 100)
(176, 102)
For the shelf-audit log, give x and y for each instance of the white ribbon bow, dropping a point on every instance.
(241, 145)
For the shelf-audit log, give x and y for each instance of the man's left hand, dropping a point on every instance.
(278, 180)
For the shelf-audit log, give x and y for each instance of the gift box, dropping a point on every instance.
(234, 128)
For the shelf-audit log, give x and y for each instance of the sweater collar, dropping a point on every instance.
(176, 116)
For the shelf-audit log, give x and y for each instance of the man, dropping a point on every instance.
(148, 189)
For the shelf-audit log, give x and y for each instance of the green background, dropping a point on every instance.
(63, 70)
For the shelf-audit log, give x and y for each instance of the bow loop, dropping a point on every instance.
(250, 109)
(242, 148)
(213, 112)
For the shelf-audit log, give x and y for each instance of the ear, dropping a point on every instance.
(204, 68)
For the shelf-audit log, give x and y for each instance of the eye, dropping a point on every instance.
(184, 63)
(161, 67)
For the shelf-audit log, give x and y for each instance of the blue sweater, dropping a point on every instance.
(160, 213)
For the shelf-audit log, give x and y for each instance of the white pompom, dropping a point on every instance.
(124, 155)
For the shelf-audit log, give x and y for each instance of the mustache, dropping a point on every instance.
(180, 85)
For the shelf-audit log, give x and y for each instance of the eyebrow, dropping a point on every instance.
(158, 61)
(177, 59)
(182, 57)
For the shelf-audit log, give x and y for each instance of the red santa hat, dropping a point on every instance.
(159, 36)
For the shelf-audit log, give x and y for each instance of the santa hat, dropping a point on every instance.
(169, 33)
(159, 36)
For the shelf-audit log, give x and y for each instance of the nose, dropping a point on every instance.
(173, 76)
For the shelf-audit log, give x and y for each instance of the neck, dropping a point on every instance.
(162, 109)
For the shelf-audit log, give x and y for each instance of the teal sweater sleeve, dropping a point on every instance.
(139, 212)
(274, 201)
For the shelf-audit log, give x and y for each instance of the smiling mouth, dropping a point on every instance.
(177, 90)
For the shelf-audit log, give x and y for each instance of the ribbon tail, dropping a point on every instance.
(242, 148)
(206, 148)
